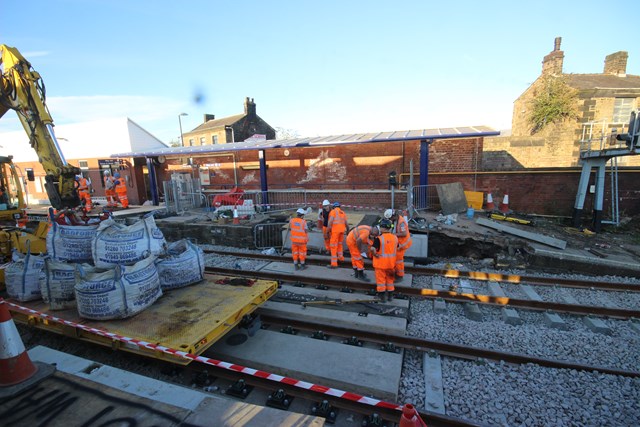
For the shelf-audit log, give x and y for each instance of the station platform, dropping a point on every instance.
(82, 392)
(188, 319)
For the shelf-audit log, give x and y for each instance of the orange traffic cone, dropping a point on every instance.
(236, 219)
(17, 372)
(504, 205)
(490, 205)
(410, 417)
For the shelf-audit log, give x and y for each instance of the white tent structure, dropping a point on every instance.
(87, 140)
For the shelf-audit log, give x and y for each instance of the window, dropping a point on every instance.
(191, 142)
(83, 164)
(214, 139)
(202, 140)
(622, 110)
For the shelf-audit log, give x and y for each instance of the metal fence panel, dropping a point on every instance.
(425, 198)
(268, 235)
(183, 194)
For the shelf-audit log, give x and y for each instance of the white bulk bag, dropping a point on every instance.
(57, 284)
(182, 265)
(118, 244)
(22, 276)
(71, 242)
(119, 293)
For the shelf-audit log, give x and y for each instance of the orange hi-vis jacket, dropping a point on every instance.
(337, 220)
(298, 230)
(83, 185)
(385, 258)
(402, 227)
(358, 235)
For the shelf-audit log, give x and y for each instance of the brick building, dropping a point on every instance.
(604, 103)
(229, 129)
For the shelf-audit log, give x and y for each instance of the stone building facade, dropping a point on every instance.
(230, 129)
(604, 103)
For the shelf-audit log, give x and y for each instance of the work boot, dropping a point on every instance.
(362, 276)
(399, 279)
(295, 265)
(382, 296)
(355, 273)
(302, 266)
(390, 296)
(332, 266)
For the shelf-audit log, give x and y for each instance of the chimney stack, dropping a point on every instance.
(208, 117)
(552, 63)
(249, 107)
(616, 64)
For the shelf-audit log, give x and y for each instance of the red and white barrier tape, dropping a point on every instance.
(225, 365)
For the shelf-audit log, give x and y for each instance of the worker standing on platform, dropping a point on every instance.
(359, 243)
(336, 227)
(299, 238)
(121, 190)
(82, 187)
(323, 220)
(384, 249)
(401, 230)
(110, 189)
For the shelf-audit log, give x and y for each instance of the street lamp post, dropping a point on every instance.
(180, 122)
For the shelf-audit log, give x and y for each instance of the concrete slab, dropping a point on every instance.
(566, 297)
(343, 272)
(309, 291)
(419, 248)
(553, 320)
(96, 393)
(510, 316)
(371, 323)
(437, 283)
(434, 391)
(597, 325)
(360, 370)
(439, 306)
(473, 311)
(495, 290)
(464, 287)
(547, 240)
(530, 293)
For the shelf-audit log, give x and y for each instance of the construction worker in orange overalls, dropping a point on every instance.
(110, 189)
(384, 249)
(336, 227)
(299, 238)
(401, 230)
(323, 220)
(121, 190)
(82, 187)
(359, 243)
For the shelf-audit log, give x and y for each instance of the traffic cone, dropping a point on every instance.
(410, 417)
(490, 206)
(504, 205)
(17, 372)
(236, 219)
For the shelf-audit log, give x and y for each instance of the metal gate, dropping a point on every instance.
(268, 235)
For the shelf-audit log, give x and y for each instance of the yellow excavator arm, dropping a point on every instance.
(22, 90)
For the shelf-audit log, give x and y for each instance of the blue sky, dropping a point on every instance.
(316, 68)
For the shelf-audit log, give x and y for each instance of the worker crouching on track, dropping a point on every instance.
(336, 227)
(82, 186)
(299, 238)
(401, 230)
(323, 221)
(359, 243)
(384, 249)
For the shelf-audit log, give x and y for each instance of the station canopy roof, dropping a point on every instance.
(319, 141)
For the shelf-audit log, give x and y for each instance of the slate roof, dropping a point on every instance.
(602, 81)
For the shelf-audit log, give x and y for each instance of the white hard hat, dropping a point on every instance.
(325, 203)
(107, 172)
(388, 213)
(301, 211)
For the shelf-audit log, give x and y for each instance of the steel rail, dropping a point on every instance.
(472, 275)
(455, 350)
(584, 310)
